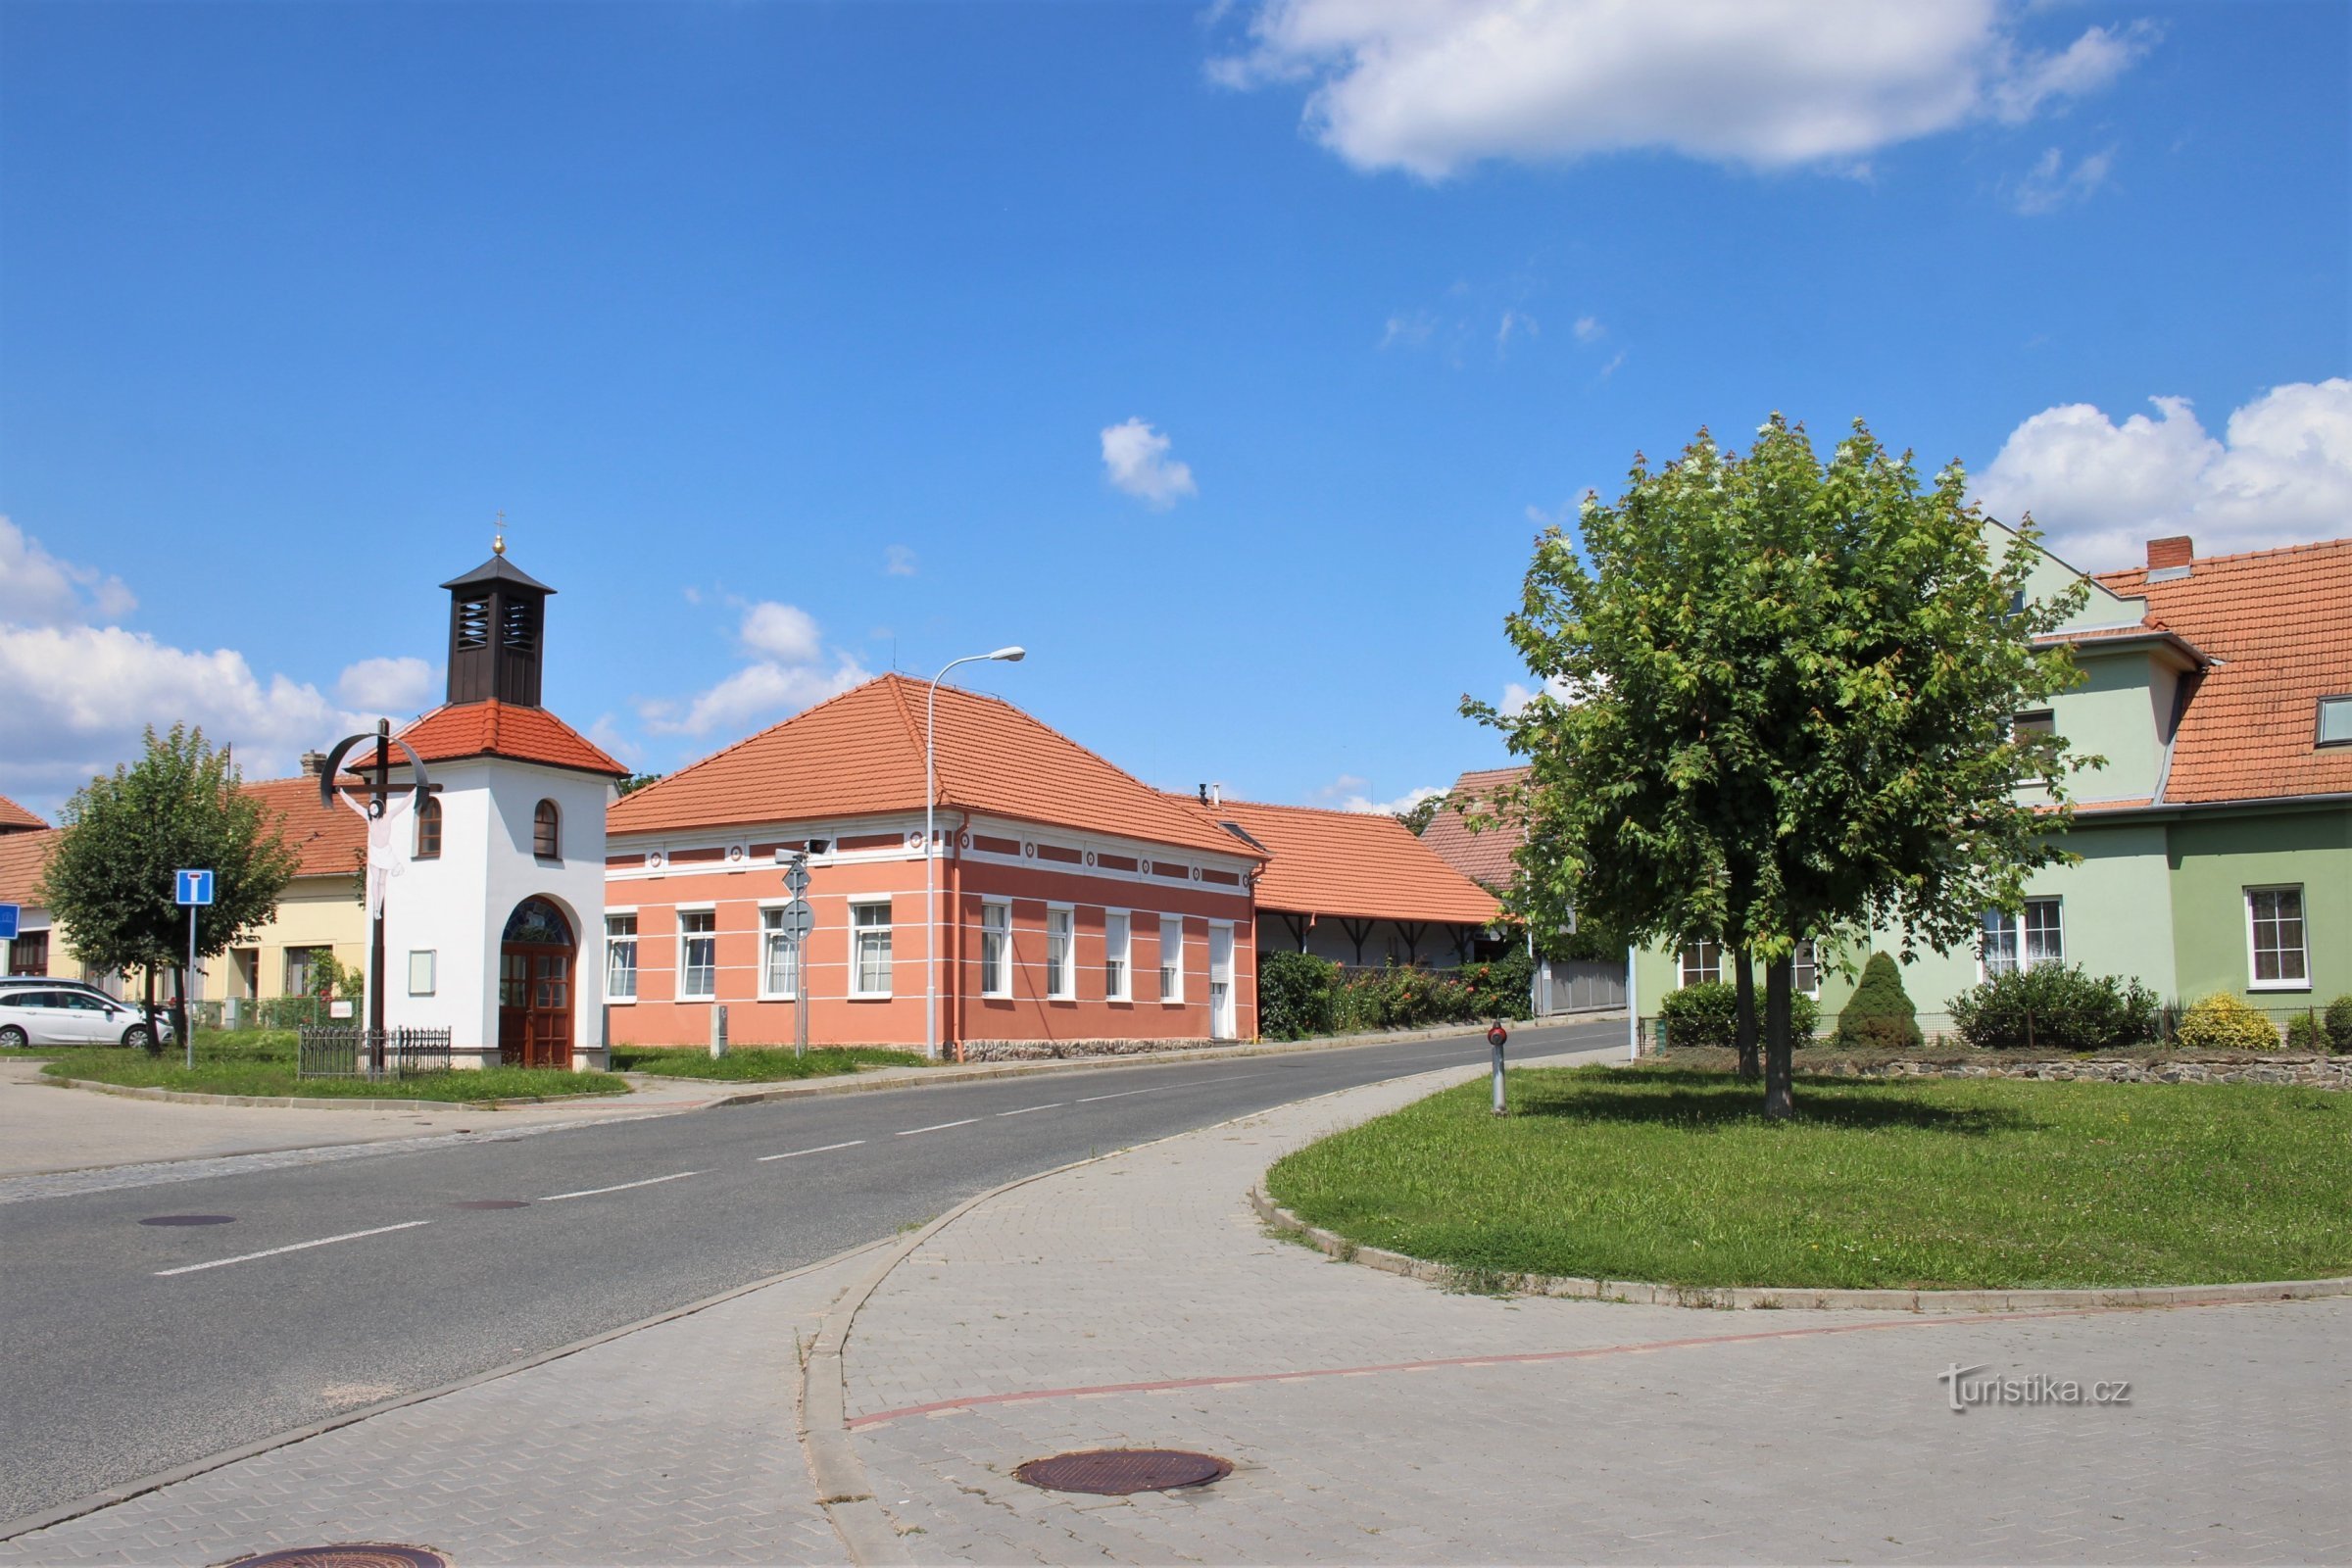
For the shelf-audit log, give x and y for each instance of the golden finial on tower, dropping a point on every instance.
(498, 540)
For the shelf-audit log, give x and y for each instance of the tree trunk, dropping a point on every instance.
(1743, 981)
(1780, 1102)
(155, 1040)
(180, 1020)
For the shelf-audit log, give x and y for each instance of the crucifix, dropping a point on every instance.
(384, 859)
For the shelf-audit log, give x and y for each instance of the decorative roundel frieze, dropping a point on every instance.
(1195, 873)
(1028, 850)
(653, 860)
(734, 854)
(1090, 857)
(965, 842)
(1144, 866)
(915, 838)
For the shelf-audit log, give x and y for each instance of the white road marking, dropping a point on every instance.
(822, 1148)
(650, 1181)
(1026, 1109)
(1124, 1092)
(938, 1127)
(246, 1257)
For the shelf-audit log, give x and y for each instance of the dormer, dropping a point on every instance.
(497, 632)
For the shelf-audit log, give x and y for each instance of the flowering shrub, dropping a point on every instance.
(2221, 1023)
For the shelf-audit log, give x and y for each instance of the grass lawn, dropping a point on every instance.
(1674, 1176)
(757, 1065)
(262, 1061)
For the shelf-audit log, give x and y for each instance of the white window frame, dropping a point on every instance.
(1171, 975)
(1119, 959)
(1061, 975)
(614, 940)
(1699, 972)
(2303, 927)
(995, 978)
(686, 937)
(2018, 931)
(858, 991)
(771, 938)
(1812, 961)
(423, 962)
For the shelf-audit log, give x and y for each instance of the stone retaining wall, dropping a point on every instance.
(2314, 1072)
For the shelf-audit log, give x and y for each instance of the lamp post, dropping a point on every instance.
(1010, 656)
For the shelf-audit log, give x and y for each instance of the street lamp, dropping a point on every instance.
(1010, 656)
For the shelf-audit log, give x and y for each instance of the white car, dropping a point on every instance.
(35, 1016)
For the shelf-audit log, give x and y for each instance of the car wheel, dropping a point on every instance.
(136, 1036)
(14, 1039)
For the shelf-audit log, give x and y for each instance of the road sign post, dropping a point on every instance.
(9, 915)
(798, 920)
(195, 889)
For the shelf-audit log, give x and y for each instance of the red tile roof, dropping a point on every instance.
(1484, 856)
(861, 753)
(329, 843)
(2278, 625)
(13, 818)
(24, 856)
(1365, 864)
(459, 730)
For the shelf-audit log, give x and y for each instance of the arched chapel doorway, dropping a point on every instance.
(535, 958)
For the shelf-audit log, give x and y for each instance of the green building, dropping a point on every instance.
(2217, 842)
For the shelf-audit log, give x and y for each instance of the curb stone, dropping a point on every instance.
(1804, 1298)
(123, 1492)
(843, 1489)
(185, 1097)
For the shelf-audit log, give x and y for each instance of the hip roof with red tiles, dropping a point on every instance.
(13, 818)
(457, 731)
(2276, 627)
(1484, 856)
(326, 842)
(24, 856)
(861, 753)
(1363, 864)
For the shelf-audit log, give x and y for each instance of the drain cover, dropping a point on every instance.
(352, 1554)
(493, 1202)
(189, 1219)
(1116, 1472)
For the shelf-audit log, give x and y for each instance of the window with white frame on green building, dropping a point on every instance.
(2277, 957)
(1702, 963)
(2023, 941)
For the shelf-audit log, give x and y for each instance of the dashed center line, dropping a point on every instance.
(938, 1127)
(650, 1181)
(1124, 1092)
(297, 1247)
(1026, 1109)
(821, 1149)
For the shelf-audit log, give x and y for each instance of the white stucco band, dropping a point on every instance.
(456, 905)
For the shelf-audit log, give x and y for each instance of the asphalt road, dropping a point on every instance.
(133, 1349)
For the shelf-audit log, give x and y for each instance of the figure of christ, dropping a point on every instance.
(383, 863)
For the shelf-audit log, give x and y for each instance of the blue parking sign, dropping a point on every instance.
(8, 922)
(193, 887)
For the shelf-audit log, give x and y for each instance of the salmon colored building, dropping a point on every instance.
(1073, 903)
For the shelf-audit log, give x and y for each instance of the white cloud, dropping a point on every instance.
(1409, 330)
(780, 632)
(1515, 321)
(37, 589)
(899, 560)
(2282, 473)
(1347, 793)
(1432, 86)
(1516, 696)
(1589, 331)
(1136, 459)
(789, 669)
(2050, 184)
(388, 688)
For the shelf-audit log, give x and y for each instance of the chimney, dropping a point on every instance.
(312, 762)
(1204, 795)
(1217, 795)
(2166, 554)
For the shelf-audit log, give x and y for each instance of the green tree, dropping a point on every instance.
(1416, 816)
(1788, 691)
(110, 880)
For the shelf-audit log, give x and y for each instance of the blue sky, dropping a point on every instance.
(1227, 357)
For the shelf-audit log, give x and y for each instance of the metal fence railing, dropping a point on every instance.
(348, 1053)
(2302, 1026)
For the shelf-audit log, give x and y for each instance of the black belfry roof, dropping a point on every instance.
(498, 569)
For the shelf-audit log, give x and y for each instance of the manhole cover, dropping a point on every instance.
(354, 1554)
(189, 1219)
(493, 1202)
(1116, 1472)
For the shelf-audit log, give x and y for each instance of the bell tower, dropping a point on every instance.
(497, 632)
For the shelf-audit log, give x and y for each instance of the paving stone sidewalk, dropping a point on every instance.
(1625, 1434)
(675, 1445)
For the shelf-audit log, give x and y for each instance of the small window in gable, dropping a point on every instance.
(547, 840)
(428, 832)
(2335, 721)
